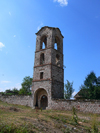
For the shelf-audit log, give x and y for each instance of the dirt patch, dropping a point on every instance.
(14, 109)
(10, 109)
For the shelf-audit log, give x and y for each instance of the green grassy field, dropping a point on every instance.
(22, 119)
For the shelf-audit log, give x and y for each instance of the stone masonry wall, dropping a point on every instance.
(21, 100)
(47, 57)
(57, 73)
(90, 106)
(57, 89)
(46, 72)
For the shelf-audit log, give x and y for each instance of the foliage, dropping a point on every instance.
(94, 126)
(91, 88)
(90, 79)
(11, 128)
(74, 117)
(2, 93)
(8, 91)
(26, 84)
(15, 91)
(68, 90)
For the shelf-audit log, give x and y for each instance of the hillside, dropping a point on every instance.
(22, 119)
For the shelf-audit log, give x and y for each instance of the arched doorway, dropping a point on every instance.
(44, 102)
(41, 98)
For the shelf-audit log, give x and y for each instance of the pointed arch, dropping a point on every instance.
(43, 42)
(57, 43)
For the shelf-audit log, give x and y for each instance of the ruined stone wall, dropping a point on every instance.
(21, 100)
(90, 106)
(87, 106)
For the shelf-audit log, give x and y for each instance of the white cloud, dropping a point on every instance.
(5, 82)
(18, 86)
(62, 2)
(1, 45)
(39, 27)
(14, 35)
(74, 93)
(1, 90)
(10, 13)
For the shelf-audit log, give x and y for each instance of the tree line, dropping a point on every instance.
(90, 89)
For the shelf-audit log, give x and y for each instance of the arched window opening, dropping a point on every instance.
(56, 43)
(43, 44)
(41, 75)
(44, 102)
(57, 60)
(55, 46)
(42, 59)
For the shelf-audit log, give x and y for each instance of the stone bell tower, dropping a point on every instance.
(48, 67)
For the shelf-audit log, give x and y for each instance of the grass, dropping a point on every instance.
(23, 119)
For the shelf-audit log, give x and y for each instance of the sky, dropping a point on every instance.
(79, 22)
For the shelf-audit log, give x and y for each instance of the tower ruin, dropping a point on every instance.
(48, 77)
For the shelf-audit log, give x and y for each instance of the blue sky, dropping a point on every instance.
(79, 22)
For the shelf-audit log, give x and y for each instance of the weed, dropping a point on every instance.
(22, 119)
(88, 130)
(94, 126)
(6, 128)
(54, 117)
(67, 130)
(41, 109)
(74, 117)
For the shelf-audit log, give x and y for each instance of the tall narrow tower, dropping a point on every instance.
(48, 67)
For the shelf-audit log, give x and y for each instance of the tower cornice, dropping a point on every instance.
(49, 28)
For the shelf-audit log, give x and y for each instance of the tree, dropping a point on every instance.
(15, 91)
(68, 90)
(90, 79)
(91, 87)
(26, 85)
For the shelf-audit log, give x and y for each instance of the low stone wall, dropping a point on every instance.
(92, 106)
(21, 100)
